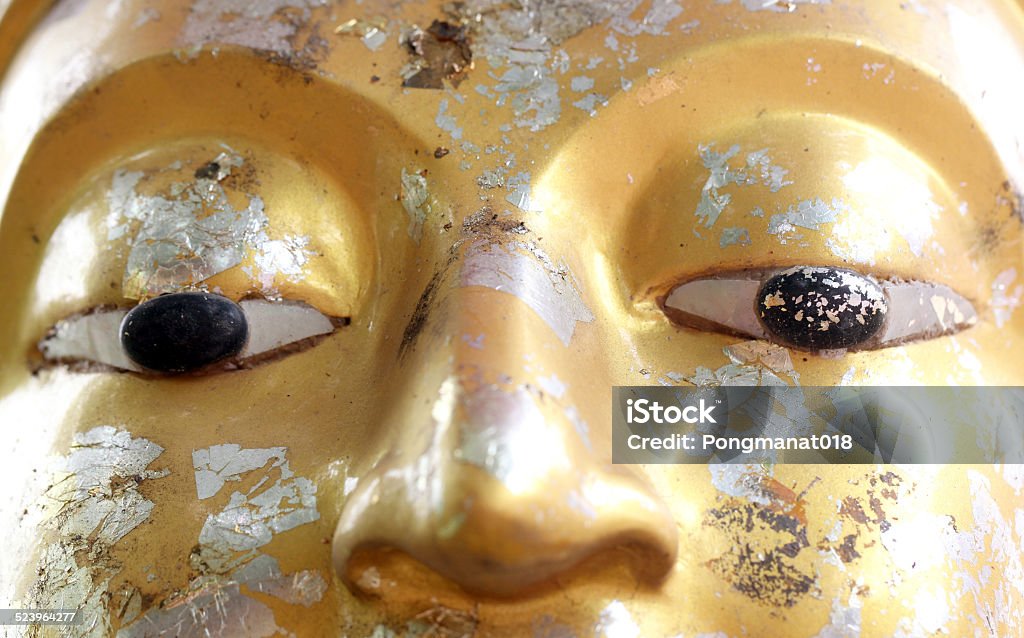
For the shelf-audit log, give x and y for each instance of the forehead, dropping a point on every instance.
(655, 121)
(559, 57)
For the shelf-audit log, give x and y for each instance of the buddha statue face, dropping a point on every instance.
(425, 240)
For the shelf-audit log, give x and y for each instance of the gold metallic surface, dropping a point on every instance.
(501, 261)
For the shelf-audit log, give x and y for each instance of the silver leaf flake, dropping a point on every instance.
(809, 214)
(257, 24)
(524, 270)
(250, 520)
(304, 588)
(987, 537)
(520, 40)
(758, 170)
(751, 363)
(778, 6)
(491, 179)
(552, 21)
(446, 121)
(518, 187)
(844, 620)
(372, 33)
(581, 83)
(734, 237)
(146, 16)
(590, 103)
(220, 463)
(1006, 548)
(534, 95)
(615, 621)
(759, 363)
(712, 203)
(743, 480)
(228, 556)
(211, 612)
(100, 504)
(286, 257)
(415, 201)
(185, 237)
(1006, 297)
(505, 426)
(97, 457)
(654, 22)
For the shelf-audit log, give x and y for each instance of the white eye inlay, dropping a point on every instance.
(96, 337)
(272, 325)
(916, 310)
(88, 337)
(727, 302)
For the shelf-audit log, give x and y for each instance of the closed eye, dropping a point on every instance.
(186, 332)
(819, 308)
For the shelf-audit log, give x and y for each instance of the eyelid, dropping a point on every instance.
(727, 303)
(94, 337)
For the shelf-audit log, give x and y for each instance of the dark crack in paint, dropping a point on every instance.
(305, 58)
(424, 306)
(486, 223)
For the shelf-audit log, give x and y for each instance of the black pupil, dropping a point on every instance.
(183, 331)
(821, 308)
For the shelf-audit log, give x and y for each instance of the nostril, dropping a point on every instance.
(387, 572)
(488, 539)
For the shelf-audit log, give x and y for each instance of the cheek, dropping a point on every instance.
(266, 499)
(182, 498)
(28, 467)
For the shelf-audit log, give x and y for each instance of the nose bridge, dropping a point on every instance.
(541, 284)
(499, 483)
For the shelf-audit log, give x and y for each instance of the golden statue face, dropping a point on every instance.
(451, 230)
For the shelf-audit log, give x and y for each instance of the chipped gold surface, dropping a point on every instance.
(544, 537)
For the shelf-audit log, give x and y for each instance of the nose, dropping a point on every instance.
(495, 481)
